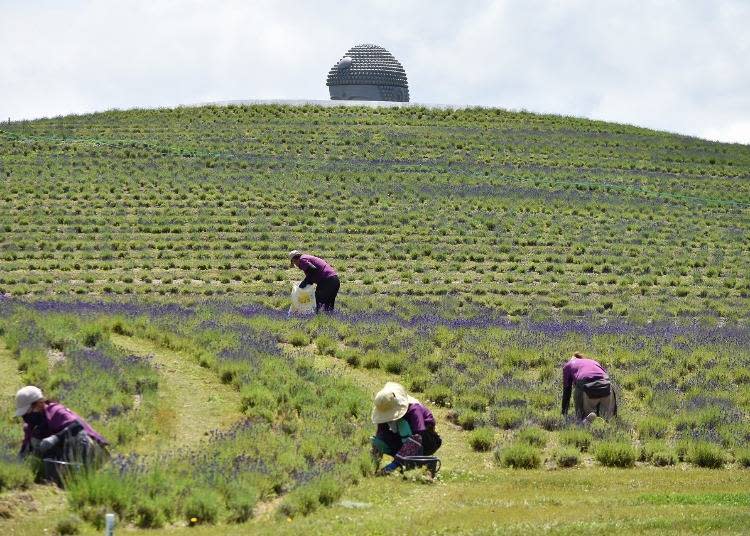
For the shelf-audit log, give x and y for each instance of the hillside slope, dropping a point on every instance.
(519, 212)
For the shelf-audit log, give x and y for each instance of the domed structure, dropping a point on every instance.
(368, 72)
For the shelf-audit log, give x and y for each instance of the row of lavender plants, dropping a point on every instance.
(286, 444)
(683, 389)
(684, 394)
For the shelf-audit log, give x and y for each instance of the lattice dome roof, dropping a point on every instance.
(368, 65)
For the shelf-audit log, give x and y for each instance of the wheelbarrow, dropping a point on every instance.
(432, 463)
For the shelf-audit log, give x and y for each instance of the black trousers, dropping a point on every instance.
(325, 294)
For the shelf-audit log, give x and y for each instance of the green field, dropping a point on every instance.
(144, 281)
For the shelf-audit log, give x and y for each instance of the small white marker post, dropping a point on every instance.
(109, 525)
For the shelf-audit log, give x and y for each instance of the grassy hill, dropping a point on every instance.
(145, 281)
(520, 212)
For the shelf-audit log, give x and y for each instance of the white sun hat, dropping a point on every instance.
(25, 397)
(391, 403)
(292, 254)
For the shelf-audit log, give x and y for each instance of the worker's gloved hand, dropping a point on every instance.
(72, 429)
(388, 469)
(48, 443)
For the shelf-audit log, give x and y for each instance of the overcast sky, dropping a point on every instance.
(682, 66)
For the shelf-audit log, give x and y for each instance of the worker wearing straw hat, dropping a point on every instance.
(318, 272)
(405, 427)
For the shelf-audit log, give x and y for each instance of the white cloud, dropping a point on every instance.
(670, 65)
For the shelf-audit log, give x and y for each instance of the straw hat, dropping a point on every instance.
(391, 403)
(25, 397)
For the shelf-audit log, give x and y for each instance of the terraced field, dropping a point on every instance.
(524, 213)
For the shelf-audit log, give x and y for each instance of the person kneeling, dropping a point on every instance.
(405, 427)
(56, 434)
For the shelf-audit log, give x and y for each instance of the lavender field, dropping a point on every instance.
(522, 213)
(145, 283)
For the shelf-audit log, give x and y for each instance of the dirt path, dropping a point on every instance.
(193, 399)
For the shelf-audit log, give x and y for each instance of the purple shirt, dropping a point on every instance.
(580, 368)
(315, 268)
(57, 417)
(419, 418)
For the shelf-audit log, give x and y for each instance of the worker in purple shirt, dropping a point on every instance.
(318, 272)
(405, 427)
(594, 395)
(53, 432)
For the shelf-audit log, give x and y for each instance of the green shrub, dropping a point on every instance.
(299, 338)
(566, 456)
(204, 505)
(663, 458)
(704, 454)
(371, 360)
(468, 419)
(394, 365)
(329, 491)
(302, 501)
(91, 334)
(652, 427)
(600, 428)
(241, 503)
(536, 437)
(482, 439)
(69, 525)
(15, 475)
(326, 344)
(97, 492)
(230, 373)
(615, 454)
(506, 418)
(148, 513)
(551, 421)
(743, 457)
(439, 394)
(352, 356)
(417, 383)
(256, 396)
(473, 401)
(682, 449)
(576, 437)
(658, 453)
(519, 456)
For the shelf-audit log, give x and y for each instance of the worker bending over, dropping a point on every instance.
(592, 390)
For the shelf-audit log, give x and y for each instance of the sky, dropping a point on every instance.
(680, 66)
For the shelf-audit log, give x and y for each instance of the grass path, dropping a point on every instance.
(10, 378)
(193, 400)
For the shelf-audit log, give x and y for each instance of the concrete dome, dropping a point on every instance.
(368, 72)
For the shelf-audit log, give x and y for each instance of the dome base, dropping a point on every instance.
(369, 92)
